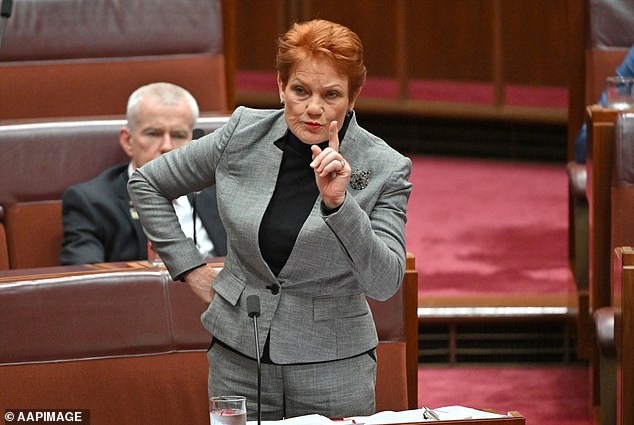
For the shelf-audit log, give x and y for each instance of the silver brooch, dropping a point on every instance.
(359, 179)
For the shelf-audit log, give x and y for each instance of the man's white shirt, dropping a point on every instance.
(189, 225)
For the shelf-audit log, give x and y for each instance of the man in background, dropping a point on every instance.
(100, 222)
(625, 69)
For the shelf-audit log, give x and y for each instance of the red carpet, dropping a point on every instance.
(545, 395)
(485, 228)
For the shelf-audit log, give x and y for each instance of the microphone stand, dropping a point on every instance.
(253, 305)
(257, 356)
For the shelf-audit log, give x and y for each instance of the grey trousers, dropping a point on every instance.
(333, 389)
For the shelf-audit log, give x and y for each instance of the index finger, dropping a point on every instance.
(333, 137)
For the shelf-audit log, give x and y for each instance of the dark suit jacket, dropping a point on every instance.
(99, 225)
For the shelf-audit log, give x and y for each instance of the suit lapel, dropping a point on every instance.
(245, 186)
(207, 211)
(125, 204)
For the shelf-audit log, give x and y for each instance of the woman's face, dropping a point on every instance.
(314, 96)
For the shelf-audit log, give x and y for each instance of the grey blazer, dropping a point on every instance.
(316, 308)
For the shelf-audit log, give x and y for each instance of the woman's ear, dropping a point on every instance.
(281, 86)
(353, 100)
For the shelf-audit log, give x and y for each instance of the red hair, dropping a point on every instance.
(327, 40)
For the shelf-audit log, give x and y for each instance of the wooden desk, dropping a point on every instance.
(514, 419)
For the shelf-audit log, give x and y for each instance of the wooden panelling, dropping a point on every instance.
(534, 42)
(375, 25)
(576, 69)
(450, 40)
(415, 48)
(258, 25)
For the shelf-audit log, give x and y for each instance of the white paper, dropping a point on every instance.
(313, 419)
(461, 412)
(388, 417)
(444, 414)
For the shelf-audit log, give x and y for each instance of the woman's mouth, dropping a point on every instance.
(313, 125)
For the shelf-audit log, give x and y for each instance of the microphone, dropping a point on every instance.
(6, 6)
(197, 133)
(253, 308)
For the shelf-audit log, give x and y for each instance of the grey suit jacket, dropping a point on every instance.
(320, 311)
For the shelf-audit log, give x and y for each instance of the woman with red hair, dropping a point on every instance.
(315, 208)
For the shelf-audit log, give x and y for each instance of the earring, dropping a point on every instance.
(282, 103)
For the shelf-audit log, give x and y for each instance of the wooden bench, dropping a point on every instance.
(599, 173)
(94, 336)
(611, 200)
(600, 167)
(604, 36)
(39, 161)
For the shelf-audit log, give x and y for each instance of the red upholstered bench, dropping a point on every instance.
(39, 161)
(126, 345)
(126, 342)
(68, 58)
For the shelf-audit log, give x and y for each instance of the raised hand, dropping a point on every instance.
(332, 171)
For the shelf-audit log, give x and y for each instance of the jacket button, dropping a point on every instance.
(275, 288)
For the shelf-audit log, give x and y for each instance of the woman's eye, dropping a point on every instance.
(332, 95)
(299, 90)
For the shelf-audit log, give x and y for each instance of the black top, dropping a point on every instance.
(293, 199)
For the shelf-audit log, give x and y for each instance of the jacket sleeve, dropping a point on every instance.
(375, 242)
(189, 168)
(81, 241)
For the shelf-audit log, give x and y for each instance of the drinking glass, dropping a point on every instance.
(618, 92)
(228, 410)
